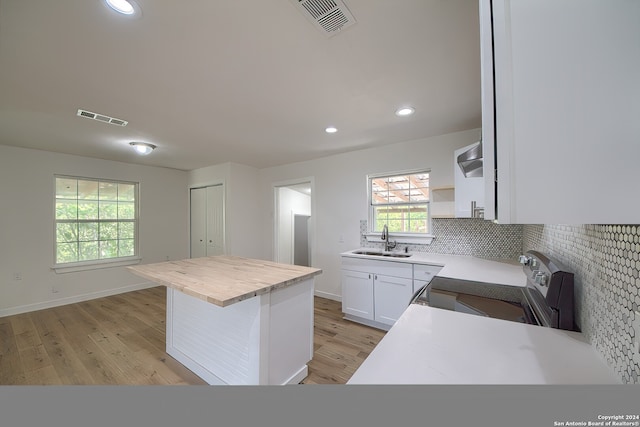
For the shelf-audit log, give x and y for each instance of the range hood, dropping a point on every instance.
(470, 161)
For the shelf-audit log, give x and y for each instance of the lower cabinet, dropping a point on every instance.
(375, 292)
(357, 294)
(391, 296)
(419, 284)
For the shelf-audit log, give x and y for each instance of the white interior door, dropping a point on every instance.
(207, 221)
(215, 220)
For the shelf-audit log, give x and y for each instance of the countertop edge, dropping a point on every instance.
(207, 297)
(460, 267)
(414, 352)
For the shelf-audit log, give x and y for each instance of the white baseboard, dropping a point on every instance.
(299, 376)
(73, 299)
(327, 295)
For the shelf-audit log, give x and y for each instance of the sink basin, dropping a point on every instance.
(381, 253)
(397, 255)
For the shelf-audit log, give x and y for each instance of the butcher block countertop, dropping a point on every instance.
(223, 280)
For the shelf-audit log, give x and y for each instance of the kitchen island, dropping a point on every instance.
(238, 321)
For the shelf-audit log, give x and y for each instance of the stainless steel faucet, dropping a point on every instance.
(385, 236)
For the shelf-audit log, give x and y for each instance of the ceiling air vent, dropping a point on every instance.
(328, 16)
(102, 118)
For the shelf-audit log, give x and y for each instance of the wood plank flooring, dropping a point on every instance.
(120, 340)
(340, 346)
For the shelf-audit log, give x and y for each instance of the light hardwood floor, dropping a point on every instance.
(121, 340)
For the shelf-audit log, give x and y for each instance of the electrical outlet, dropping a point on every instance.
(17, 276)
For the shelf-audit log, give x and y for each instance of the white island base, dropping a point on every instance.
(263, 340)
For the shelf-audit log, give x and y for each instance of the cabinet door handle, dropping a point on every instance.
(375, 277)
(369, 276)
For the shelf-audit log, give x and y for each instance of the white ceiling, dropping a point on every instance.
(251, 82)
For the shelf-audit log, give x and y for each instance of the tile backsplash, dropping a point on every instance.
(604, 258)
(466, 236)
(606, 262)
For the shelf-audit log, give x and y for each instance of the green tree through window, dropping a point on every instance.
(95, 219)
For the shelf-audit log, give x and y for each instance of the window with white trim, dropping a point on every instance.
(400, 201)
(95, 220)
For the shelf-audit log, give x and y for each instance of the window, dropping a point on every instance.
(95, 220)
(401, 202)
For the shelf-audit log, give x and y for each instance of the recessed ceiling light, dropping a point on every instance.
(331, 129)
(122, 6)
(142, 148)
(405, 111)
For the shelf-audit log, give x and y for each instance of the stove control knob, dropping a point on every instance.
(524, 260)
(540, 278)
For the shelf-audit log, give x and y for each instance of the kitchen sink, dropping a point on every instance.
(368, 252)
(381, 253)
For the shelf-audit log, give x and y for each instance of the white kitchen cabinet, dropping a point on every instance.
(423, 274)
(375, 292)
(357, 294)
(419, 284)
(207, 221)
(561, 101)
(391, 296)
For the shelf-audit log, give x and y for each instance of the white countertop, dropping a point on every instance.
(462, 267)
(433, 346)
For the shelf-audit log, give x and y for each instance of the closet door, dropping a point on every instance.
(198, 222)
(215, 220)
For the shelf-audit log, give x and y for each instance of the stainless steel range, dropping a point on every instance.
(547, 300)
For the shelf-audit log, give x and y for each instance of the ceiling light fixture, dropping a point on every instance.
(331, 129)
(142, 148)
(405, 111)
(122, 6)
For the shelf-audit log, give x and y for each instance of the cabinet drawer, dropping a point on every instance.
(425, 272)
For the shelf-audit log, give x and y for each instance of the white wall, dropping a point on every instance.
(290, 202)
(340, 195)
(27, 227)
(339, 199)
(242, 208)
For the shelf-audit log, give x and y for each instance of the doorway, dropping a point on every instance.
(293, 222)
(301, 240)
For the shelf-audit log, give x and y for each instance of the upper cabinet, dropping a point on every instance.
(561, 110)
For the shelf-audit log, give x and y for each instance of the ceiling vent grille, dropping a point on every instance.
(102, 118)
(328, 16)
